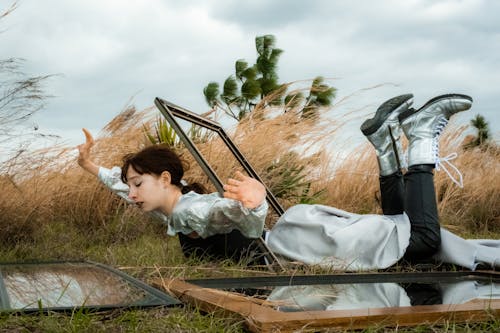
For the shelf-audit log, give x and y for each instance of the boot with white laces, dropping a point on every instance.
(384, 133)
(424, 126)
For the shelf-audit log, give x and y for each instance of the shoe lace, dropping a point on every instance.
(443, 163)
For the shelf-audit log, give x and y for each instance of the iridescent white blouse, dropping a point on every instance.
(206, 214)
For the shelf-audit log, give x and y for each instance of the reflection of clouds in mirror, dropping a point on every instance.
(373, 295)
(66, 287)
(48, 289)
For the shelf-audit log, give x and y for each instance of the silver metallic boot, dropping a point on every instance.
(384, 132)
(423, 127)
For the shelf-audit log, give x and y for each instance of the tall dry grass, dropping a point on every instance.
(475, 208)
(47, 186)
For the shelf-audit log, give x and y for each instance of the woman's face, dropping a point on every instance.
(146, 190)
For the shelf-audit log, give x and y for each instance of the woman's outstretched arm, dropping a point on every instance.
(243, 207)
(109, 177)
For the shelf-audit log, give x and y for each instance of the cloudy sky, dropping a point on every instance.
(108, 52)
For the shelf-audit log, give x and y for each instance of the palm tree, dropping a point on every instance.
(483, 132)
(252, 84)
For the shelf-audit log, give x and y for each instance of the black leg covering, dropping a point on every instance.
(392, 191)
(423, 294)
(421, 208)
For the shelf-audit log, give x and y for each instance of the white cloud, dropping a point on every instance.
(109, 51)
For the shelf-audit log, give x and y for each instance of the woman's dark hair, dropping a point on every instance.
(155, 160)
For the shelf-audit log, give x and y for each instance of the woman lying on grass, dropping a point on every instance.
(224, 227)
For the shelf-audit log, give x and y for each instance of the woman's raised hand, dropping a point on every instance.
(84, 148)
(249, 191)
(84, 153)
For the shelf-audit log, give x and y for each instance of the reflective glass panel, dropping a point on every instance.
(42, 286)
(378, 295)
(364, 291)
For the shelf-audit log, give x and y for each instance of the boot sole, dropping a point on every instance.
(410, 112)
(371, 125)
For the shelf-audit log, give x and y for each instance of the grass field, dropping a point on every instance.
(52, 210)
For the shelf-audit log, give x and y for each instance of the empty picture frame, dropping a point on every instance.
(172, 112)
(291, 303)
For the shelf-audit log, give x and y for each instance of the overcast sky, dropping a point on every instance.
(108, 52)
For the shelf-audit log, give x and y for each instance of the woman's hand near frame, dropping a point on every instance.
(249, 191)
